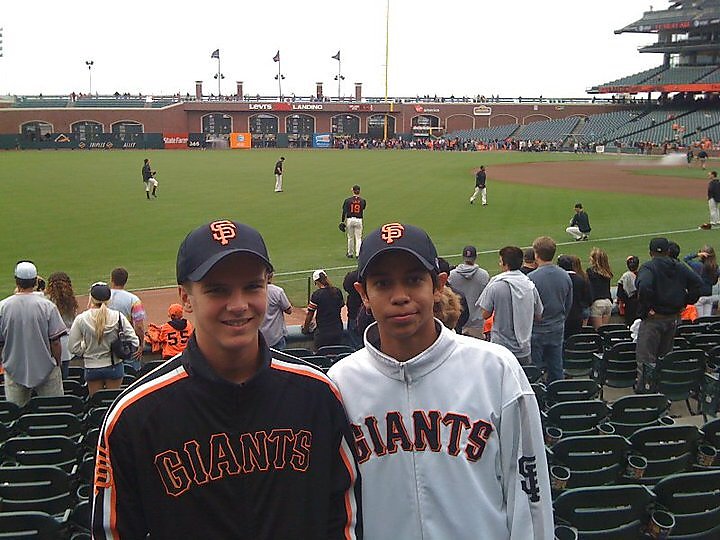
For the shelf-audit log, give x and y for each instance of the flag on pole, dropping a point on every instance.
(215, 54)
(276, 58)
(337, 56)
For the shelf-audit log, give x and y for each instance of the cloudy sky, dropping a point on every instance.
(459, 47)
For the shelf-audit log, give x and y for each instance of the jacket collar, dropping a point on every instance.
(197, 365)
(417, 367)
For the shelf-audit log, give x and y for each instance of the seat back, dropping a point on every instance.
(321, 362)
(618, 367)
(55, 450)
(9, 412)
(630, 413)
(704, 342)
(590, 342)
(299, 352)
(679, 373)
(59, 423)
(668, 449)
(577, 417)
(610, 327)
(593, 460)
(30, 526)
(334, 350)
(612, 337)
(694, 500)
(56, 404)
(571, 390)
(616, 512)
(76, 373)
(40, 488)
(103, 398)
(74, 388)
(578, 363)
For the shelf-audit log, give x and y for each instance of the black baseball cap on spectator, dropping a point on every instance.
(397, 237)
(469, 252)
(659, 245)
(207, 245)
(100, 291)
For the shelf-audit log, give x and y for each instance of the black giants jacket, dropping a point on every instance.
(186, 454)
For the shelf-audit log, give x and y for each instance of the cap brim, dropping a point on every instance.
(428, 266)
(204, 268)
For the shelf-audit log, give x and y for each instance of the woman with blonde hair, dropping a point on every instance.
(707, 269)
(92, 333)
(60, 292)
(599, 276)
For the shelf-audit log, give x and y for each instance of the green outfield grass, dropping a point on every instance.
(85, 212)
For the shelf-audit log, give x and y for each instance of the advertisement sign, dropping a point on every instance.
(240, 140)
(322, 140)
(482, 110)
(175, 141)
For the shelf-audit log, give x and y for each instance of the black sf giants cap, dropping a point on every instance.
(397, 236)
(204, 247)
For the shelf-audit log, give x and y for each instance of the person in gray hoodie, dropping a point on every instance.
(515, 302)
(471, 280)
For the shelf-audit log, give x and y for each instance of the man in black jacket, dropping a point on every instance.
(225, 441)
(579, 227)
(665, 286)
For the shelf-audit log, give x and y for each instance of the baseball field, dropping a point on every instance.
(85, 212)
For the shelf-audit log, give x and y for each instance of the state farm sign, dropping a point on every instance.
(175, 140)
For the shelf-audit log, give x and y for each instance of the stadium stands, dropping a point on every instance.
(636, 78)
(550, 130)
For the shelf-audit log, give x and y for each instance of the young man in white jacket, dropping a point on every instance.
(447, 428)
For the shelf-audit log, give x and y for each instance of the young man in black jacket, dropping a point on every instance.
(225, 441)
(665, 286)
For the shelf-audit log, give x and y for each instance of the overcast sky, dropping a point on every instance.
(452, 47)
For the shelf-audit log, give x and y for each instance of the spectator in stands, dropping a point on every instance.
(469, 279)
(579, 227)
(599, 275)
(529, 263)
(354, 304)
(713, 195)
(174, 335)
(581, 296)
(273, 328)
(707, 268)
(665, 286)
(414, 376)
(514, 303)
(444, 266)
(555, 289)
(627, 298)
(91, 334)
(129, 305)
(447, 308)
(30, 332)
(325, 305)
(188, 453)
(60, 292)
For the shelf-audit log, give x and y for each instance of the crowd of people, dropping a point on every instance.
(435, 392)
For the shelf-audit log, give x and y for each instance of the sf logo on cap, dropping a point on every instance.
(223, 231)
(391, 232)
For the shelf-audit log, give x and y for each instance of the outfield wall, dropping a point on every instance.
(187, 117)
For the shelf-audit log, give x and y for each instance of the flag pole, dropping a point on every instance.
(219, 75)
(279, 79)
(387, 54)
(339, 74)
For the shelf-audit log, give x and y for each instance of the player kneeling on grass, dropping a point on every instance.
(224, 441)
(447, 427)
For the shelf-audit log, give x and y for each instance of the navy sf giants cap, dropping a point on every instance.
(397, 236)
(204, 247)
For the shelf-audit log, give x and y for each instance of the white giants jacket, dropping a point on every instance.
(449, 443)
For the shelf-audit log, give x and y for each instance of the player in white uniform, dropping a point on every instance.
(446, 426)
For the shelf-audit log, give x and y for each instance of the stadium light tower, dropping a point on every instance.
(339, 77)
(89, 64)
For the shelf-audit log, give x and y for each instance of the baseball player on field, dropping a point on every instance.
(224, 440)
(447, 428)
(352, 216)
(480, 180)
